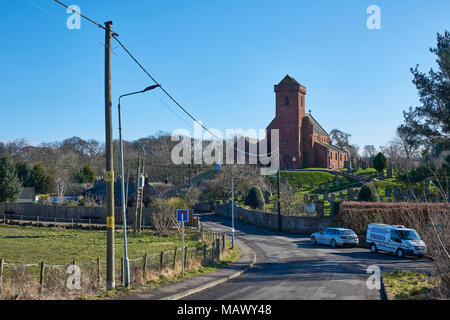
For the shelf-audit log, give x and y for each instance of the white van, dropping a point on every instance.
(396, 239)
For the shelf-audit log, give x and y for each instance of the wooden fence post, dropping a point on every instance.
(144, 267)
(89, 223)
(1, 270)
(98, 270)
(223, 242)
(161, 258)
(37, 219)
(174, 258)
(185, 256)
(72, 223)
(41, 276)
(218, 249)
(204, 254)
(122, 273)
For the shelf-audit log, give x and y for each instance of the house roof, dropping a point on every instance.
(330, 147)
(317, 127)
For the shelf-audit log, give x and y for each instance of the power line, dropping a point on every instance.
(115, 35)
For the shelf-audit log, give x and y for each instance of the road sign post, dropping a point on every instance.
(182, 216)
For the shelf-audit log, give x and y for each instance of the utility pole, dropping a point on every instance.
(142, 198)
(136, 180)
(278, 195)
(110, 277)
(139, 195)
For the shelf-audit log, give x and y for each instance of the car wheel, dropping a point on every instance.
(420, 256)
(314, 241)
(400, 253)
(373, 248)
(333, 243)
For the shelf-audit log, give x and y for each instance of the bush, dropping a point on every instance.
(368, 193)
(255, 199)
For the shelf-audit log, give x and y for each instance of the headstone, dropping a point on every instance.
(305, 198)
(332, 197)
(389, 173)
(388, 192)
(327, 187)
(320, 212)
(341, 196)
(336, 180)
(325, 196)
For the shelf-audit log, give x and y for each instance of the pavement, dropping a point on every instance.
(184, 288)
(285, 266)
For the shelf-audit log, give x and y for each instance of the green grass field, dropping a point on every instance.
(22, 245)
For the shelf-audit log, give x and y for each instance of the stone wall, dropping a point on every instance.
(291, 224)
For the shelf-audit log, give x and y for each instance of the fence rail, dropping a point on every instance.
(74, 279)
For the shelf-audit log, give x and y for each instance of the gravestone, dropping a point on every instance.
(327, 187)
(305, 198)
(320, 212)
(341, 196)
(336, 180)
(300, 185)
(389, 173)
(325, 196)
(388, 192)
(332, 197)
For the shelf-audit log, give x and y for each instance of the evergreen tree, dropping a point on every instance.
(430, 122)
(10, 186)
(255, 198)
(368, 193)
(85, 175)
(379, 162)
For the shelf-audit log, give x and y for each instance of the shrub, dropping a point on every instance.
(368, 193)
(255, 198)
(177, 203)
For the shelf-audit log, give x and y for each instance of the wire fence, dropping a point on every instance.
(76, 279)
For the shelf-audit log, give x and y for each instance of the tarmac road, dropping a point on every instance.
(290, 267)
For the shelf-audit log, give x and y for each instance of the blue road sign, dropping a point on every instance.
(182, 215)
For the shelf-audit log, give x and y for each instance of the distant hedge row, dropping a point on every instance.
(357, 215)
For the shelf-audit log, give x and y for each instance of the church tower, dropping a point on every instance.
(290, 110)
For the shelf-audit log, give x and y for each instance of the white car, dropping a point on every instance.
(335, 237)
(396, 239)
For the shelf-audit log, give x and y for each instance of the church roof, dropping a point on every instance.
(287, 80)
(317, 127)
(330, 147)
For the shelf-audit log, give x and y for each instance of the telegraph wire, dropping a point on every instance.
(115, 35)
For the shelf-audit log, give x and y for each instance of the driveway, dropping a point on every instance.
(290, 267)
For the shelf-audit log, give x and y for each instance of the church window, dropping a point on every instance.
(286, 101)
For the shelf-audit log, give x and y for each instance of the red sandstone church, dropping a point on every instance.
(303, 141)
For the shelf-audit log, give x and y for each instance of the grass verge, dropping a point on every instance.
(230, 257)
(408, 285)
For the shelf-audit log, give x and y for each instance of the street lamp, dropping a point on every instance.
(126, 263)
(232, 205)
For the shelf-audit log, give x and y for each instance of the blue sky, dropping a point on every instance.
(220, 59)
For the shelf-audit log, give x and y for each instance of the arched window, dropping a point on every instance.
(286, 101)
